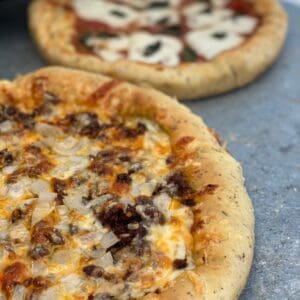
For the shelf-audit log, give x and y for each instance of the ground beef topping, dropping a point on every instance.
(89, 202)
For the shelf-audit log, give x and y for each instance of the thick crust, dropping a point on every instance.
(52, 29)
(224, 221)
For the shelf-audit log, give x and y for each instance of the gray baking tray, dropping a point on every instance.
(261, 124)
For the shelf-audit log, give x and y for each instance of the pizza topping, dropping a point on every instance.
(90, 208)
(152, 31)
(39, 251)
(116, 15)
(180, 263)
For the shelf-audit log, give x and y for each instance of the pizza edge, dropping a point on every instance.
(232, 69)
(224, 224)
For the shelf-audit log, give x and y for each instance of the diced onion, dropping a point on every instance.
(68, 166)
(47, 130)
(74, 201)
(7, 126)
(38, 268)
(47, 197)
(99, 200)
(126, 200)
(69, 146)
(90, 239)
(3, 254)
(162, 202)
(9, 170)
(62, 227)
(3, 224)
(142, 188)
(19, 188)
(19, 232)
(105, 261)
(19, 293)
(62, 210)
(64, 257)
(98, 253)
(39, 186)
(50, 293)
(40, 212)
(72, 282)
(109, 239)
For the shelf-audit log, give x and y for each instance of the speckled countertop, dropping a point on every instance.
(261, 124)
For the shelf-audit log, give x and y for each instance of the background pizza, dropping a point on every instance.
(186, 48)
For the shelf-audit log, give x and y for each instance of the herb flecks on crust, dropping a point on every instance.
(90, 207)
(162, 32)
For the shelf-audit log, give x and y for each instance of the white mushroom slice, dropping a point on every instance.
(166, 16)
(209, 44)
(199, 18)
(115, 15)
(148, 48)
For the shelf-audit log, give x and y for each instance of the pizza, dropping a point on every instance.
(111, 191)
(186, 48)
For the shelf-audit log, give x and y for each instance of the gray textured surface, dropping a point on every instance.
(262, 126)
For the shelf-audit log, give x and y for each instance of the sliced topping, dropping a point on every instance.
(210, 43)
(40, 212)
(162, 16)
(199, 17)
(155, 49)
(141, 31)
(115, 15)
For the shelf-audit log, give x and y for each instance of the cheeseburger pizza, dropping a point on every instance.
(110, 191)
(186, 48)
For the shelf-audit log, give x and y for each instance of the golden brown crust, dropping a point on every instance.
(224, 221)
(229, 70)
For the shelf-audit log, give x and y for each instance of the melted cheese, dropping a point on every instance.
(155, 16)
(167, 54)
(69, 156)
(198, 18)
(239, 25)
(203, 19)
(205, 44)
(115, 15)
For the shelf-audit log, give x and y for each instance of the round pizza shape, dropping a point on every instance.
(186, 48)
(112, 191)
